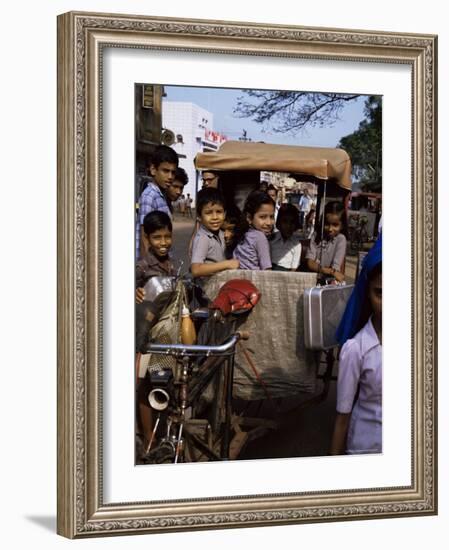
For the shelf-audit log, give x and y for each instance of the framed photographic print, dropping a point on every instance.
(228, 101)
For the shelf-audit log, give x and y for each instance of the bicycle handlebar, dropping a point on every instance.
(183, 350)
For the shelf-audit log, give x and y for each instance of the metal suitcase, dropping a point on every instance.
(323, 309)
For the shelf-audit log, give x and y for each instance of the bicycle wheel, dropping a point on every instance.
(213, 411)
(161, 454)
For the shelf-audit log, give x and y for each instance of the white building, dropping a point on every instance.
(193, 128)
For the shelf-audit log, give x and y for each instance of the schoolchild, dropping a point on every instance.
(230, 227)
(210, 179)
(285, 244)
(253, 249)
(358, 425)
(208, 248)
(158, 231)
(156, 262)
(273, 192)
(175, 188)
(309, 224)
(263, 186)
(326, 254)
(164, 162)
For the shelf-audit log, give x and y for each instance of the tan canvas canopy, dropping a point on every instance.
(320, 162)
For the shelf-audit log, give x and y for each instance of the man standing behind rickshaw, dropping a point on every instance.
(305, 203)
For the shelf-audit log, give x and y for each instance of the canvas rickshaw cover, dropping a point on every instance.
(320, 162)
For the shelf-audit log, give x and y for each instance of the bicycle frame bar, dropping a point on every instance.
(181, 350)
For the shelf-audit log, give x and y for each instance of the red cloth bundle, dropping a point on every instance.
(236, 296)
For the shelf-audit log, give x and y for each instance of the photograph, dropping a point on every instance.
(232, 352)
(258, 273)
(188, 359)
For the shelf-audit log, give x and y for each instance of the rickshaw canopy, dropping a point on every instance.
(320, 162)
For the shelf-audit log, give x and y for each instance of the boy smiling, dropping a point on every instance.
(208, 250)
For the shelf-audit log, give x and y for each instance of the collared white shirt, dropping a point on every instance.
(305, 202)
(285, 253)
(360, 367)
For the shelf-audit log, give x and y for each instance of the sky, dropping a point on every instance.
(221, 102)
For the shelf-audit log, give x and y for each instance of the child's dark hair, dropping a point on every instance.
(156, 220)
(214, 172)
(288, 210)
(255, 200)
(163, 153)
(181, 176)
(208, 195)
(233, 214)
(253, 203)
(235, 218)
(367, 309)
(310, 215)
(333, 207)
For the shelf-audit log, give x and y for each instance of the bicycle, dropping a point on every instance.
(358, 233)
(187, 437)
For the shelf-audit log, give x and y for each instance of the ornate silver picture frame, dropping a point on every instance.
(83, 510)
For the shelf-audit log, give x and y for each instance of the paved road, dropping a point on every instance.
(182, 232)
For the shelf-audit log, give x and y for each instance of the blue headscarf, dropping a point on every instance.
(349, 324)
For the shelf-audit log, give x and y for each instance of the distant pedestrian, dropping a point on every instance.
(189, 202)
(305, 204)
(182, 205)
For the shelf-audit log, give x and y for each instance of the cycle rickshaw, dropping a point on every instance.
(282, 356)
(363, 219)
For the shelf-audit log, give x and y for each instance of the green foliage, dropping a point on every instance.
(364, 146)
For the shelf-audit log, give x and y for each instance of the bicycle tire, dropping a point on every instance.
(161, 454)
